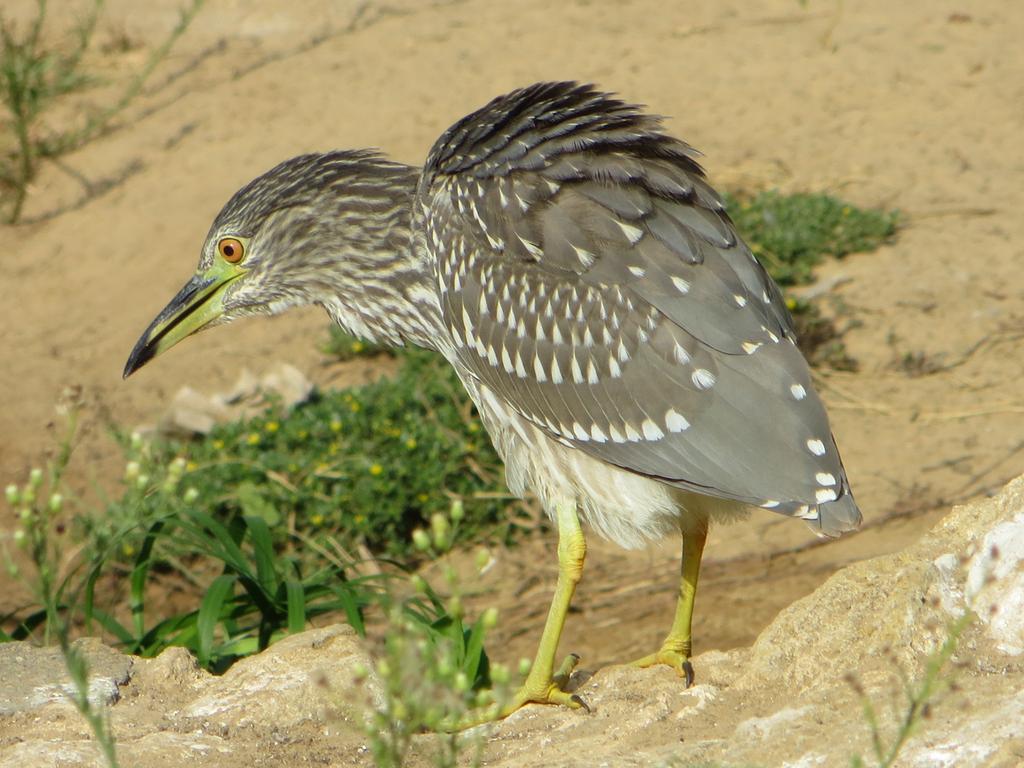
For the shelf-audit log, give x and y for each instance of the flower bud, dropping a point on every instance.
(457, 512)
(483, 559)
(499, 674)
(445, 668)
(191, 494)
(21, 538)
(131, 470)
(455, 607)
(35, 477)
(483, 698)
(489, 619)
(420, 540)
(13, 495)
(439, 527)
(56, 502)
(142, 482)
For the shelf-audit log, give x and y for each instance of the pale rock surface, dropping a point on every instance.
(789, 700)
(191, 412)
(32, 677)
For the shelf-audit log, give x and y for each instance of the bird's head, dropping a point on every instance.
(312, 229)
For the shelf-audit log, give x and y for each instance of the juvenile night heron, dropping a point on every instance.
(630, 358)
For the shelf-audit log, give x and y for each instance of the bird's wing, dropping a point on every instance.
(591, 277)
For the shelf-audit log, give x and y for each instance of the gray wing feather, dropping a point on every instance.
(592, 278)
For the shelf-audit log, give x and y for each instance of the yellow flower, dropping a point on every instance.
(376, 469)
(253, 438)
(357, 346)
(191, 466)
(790, 304)
(316, 519)
(355, 407)
(303, 434)
(359, 519)
(218, 444)
(423, 498)
(272, 426)
(473, 427)
(410, 443)
(335, 426)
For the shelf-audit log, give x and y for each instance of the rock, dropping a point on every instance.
(794, 698)
(301, 678)
(193, 413)
(289, 383)
(247, 385)
(899, 607)
(32, 677)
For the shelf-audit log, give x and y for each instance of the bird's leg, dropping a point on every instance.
(543, 685)
(675, 651)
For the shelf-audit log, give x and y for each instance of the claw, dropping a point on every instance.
(670, 658)
(688, 672)
(533, 692)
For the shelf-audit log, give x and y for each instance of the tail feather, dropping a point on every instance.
(837, 517)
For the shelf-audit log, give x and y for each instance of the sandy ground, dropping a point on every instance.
(914, 105)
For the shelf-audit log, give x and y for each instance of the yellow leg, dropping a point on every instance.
(678, 646)
(543, 685)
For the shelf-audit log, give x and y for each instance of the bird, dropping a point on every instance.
(633, 363)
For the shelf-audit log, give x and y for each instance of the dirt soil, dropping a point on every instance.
(915, 105)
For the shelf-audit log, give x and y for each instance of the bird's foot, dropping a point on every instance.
(536, 690)
(670, 657)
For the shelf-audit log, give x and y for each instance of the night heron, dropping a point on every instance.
(632, 361)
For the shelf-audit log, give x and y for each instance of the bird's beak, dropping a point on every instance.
(198, 303)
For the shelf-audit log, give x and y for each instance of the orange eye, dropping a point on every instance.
(231, 250)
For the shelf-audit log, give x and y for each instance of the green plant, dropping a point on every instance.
(432, 666)
(920, 695)
(791, 234)
(41, 533)
(259, 596)
(341, 346)
(33, 76)
(366, 465)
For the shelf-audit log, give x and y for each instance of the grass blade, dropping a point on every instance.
(209, 615)
(263, 552)
(137, 600)
(296, 606)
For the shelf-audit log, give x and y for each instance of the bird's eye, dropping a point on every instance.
(231, 250)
